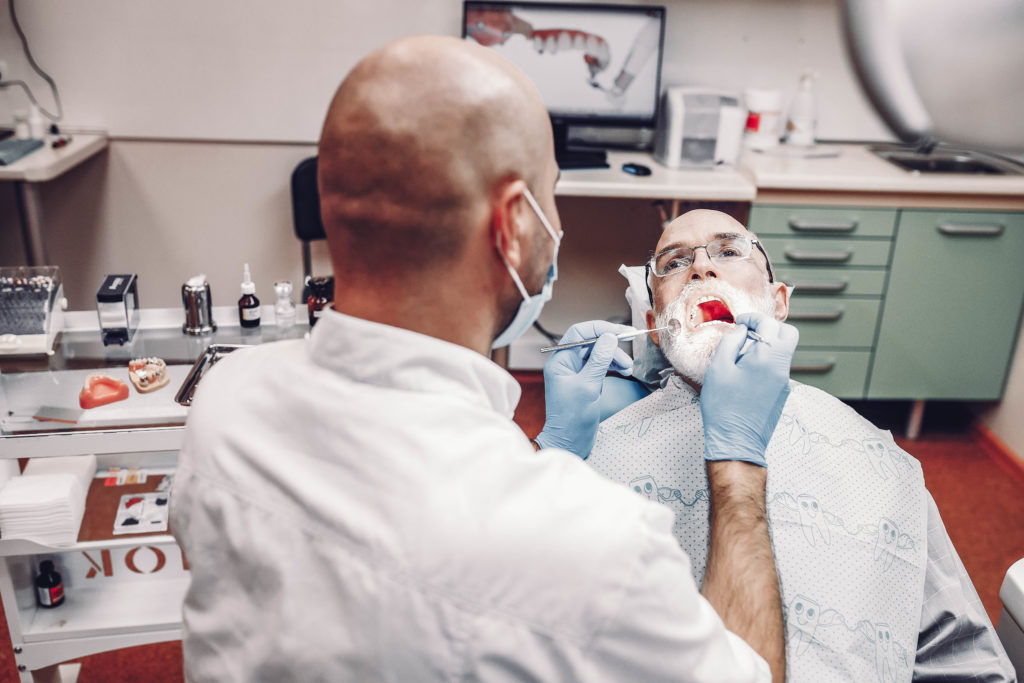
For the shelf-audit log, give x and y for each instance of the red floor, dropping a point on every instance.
(981, 501)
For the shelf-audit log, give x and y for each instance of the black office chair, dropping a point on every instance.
(306, 210)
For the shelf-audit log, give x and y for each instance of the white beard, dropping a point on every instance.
(691, 350)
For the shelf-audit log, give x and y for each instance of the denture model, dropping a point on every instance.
(100, 390)
(147, 374)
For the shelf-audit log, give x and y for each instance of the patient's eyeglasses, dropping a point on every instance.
(728, 249)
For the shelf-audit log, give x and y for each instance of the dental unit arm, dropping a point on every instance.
(942, 70)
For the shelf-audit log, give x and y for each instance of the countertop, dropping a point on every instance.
(843, 169)
(723, 183)
(46, 163)
(856, 169)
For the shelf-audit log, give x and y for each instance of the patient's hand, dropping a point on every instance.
(743, 394)
(572, 386)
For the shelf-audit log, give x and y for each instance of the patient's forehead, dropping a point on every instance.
(699, 227)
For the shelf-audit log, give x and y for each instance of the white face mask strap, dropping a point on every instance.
(540, 214)
(512, 271)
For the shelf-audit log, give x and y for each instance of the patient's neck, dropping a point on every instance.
(696, 385)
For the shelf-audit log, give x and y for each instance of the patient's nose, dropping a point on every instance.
(702, 266)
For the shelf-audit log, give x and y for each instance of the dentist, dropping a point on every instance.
(360, 506)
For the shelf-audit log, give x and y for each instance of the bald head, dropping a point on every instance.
(700, 221)
(415, 140)
(699, 227)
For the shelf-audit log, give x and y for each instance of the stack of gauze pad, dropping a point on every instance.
(46, 503)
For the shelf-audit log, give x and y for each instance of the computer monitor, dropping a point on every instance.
(594, 64)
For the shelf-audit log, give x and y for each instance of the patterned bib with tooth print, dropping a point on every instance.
(847, 510)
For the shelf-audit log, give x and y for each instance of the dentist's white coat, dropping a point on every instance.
(361, 507)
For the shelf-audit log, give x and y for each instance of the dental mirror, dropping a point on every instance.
(674, 327)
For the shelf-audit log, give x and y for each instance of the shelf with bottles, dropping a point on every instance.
(106, 593)
(39, 394)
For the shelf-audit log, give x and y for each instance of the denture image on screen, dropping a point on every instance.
(599, 61)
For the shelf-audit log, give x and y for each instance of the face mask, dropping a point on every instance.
(530, 306)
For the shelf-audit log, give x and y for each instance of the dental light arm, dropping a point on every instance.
(942, 70)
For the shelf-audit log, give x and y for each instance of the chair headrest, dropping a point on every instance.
(306, 202)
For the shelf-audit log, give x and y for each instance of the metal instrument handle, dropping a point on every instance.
(803, 225)
(819, 256)
(962, 230)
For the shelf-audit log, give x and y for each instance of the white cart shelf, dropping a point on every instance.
(124, 590)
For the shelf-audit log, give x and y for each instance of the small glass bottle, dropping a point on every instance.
(321, 293)
(248, 305)
(49, 587)
(21, 127)
(284, 307)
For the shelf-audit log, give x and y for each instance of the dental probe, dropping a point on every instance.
(756, 337)
(673, 327)
(751, 338)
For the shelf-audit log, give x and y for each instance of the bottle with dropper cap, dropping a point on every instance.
(248, 305)
(803, 114)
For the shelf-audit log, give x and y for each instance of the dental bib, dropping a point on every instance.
(847, 509)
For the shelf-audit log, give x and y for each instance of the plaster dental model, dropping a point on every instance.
(147, 374)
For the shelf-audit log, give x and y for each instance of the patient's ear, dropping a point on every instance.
(780, 294)
(651, 324)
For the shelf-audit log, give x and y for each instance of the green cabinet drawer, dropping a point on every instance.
(831, 321)
(832, 281)
(808, 220)
(825, 251)
(952, 306)
(841, 373)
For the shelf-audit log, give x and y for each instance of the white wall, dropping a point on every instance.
(265, 70)
(1004, 418)
(169, 210)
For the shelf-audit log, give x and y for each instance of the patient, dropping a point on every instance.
(872, 588)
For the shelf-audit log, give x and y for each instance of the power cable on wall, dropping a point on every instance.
(32, 62)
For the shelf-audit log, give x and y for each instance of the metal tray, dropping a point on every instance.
(213, 353)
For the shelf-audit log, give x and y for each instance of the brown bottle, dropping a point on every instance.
(321, 293)
(248, 305)
(49, 587)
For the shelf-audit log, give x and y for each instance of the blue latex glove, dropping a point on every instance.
(744, 391)
(572, 386)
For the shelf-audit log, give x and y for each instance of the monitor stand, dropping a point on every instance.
(575, 157)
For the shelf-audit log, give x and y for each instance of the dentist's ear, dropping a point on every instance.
(781, 295)
(507, 224)
(651, 324)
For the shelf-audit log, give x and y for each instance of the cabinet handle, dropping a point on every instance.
(958, 230)
(814, 367)
(802, 225)
(820, 286)
(819, 256)
(818, 316)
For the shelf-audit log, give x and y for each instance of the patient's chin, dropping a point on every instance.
(691, 358)
(691, 351)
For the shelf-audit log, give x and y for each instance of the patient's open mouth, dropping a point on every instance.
(710, 309)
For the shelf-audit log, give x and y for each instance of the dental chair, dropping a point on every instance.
(1011, 620)
(306, 210)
